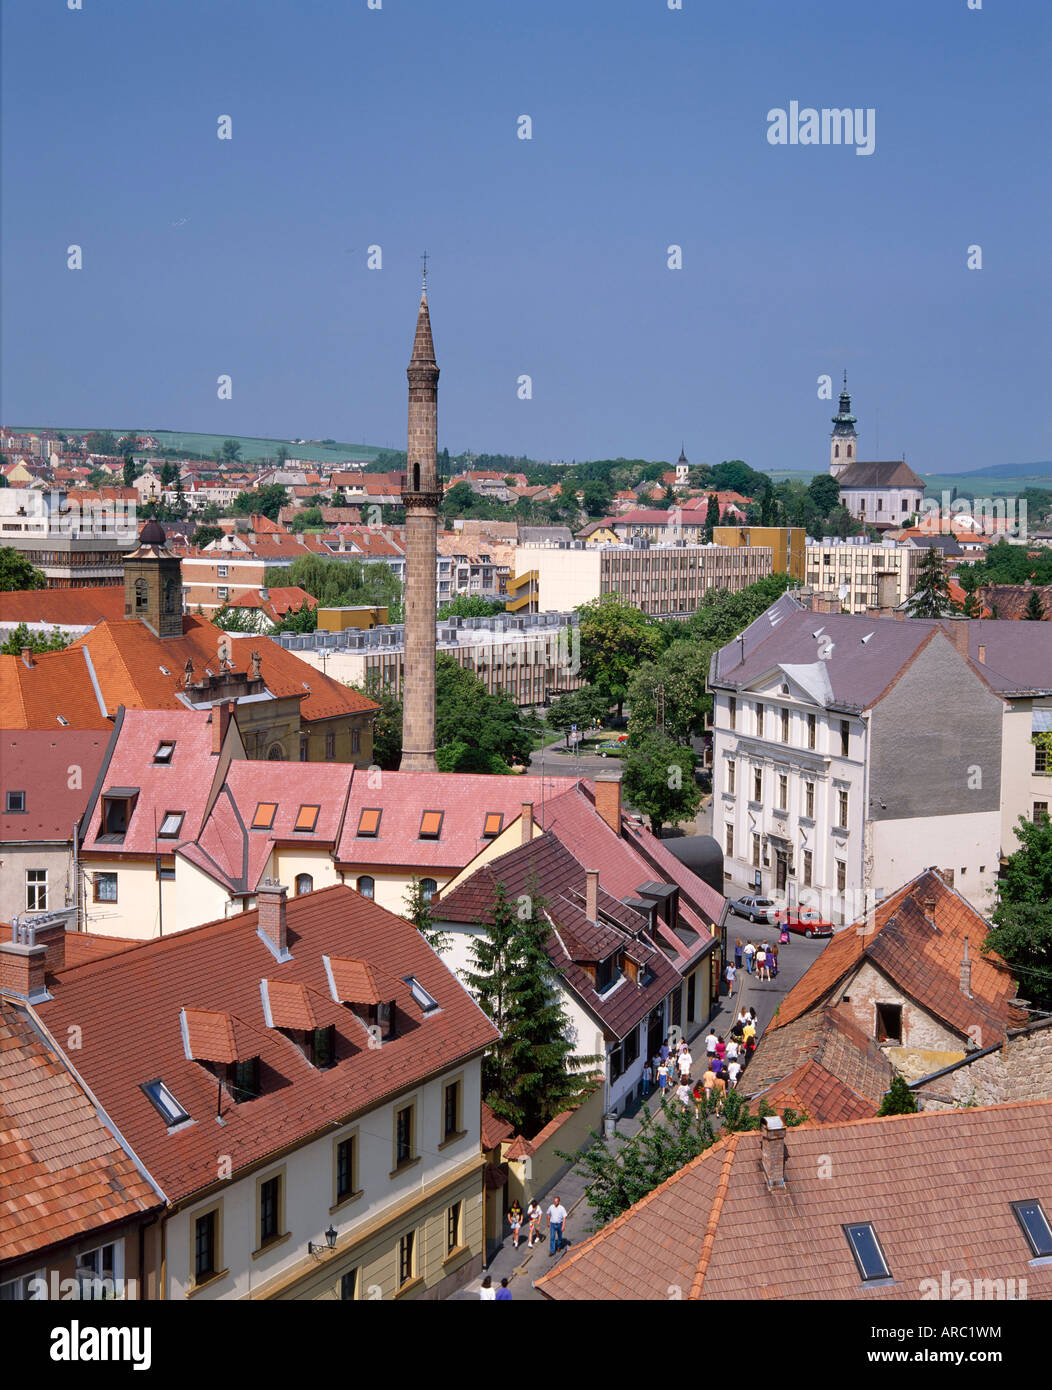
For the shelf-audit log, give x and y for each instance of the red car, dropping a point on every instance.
(804, 920)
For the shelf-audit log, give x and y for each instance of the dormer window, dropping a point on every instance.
(321, 1047)
(243, 1079)
(171, 825)
(607, 972)
(380, 1016)
(431, 825)
(1031, 1217)
(165, 1103)
(165, 749)
(117, 806)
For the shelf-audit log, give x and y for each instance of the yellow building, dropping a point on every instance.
(787, 544)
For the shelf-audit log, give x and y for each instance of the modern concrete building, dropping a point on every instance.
(787, 544)
(75, 542)
(862, 575)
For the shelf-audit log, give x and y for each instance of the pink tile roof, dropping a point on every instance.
(43, 765)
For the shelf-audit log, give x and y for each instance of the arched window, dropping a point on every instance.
(416, 477)
(276, 754)
(428, 887)
(366, 886)
(141, 594)
(849, 451)
(836, 451)
(304, 884)
(169, 597)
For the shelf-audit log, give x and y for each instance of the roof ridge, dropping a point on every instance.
(715, 1212)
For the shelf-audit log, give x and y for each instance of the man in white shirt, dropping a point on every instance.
(732, 1050)
(710, 1044)
(750, 951)
(686, 1061)
(733, 1072)
(557, 1214)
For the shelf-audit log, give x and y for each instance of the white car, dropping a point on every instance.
(756, 909)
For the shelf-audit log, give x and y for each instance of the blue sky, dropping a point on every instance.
(353, 127)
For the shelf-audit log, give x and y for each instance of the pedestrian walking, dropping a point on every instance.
(710, 1043)
(503, 1294)
(761, 963)
(772, 961)
(533, 1218)
(721, 1048)
(733, 1072)
(738, 953)
(784, 935)
(731, 975)
(663, 1079)
(707, 1083)
(556, 1221)
(719, 1092)
(663, 1051)
(750, 952)
(732, 1050)
(717, 1066)
(487, 1293)
(684, 1094)
(685, 1061)
(515, 1222)
(648, 1077)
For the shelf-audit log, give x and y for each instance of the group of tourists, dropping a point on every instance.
(533, 1219)
(761, 960)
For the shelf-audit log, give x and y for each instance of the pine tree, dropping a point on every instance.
(970, 607)
(898, 1099)
(1035, 611)
(931, 597)
(712, 516)
(418, 911)
(492, 956)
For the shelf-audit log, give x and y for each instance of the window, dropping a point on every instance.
(759, 720)
(141, 594)
(307, 818)
(492, 827)
(171, 825)
(116, 813)
(264, 817)
(631, 1043)
(845, 738)
(809, 800)
(223, 593)
(404, 1135)
(380, 1016)
(245, 1079)
(304, 884)
(330, 746)
(808, 867)
(16, 801)
(20, 1290)
(165, 1103)
(1040, 811)
(757, 784)
(732, 711)
(304, 748)
(406, 1254)
(323, 1047)
(812, 730)
(205, 1246)
(729, 840)
(426, 1001)
(104, 887)
(99, 1273)
(369, 821)
(356, 740)
(346, 1168)
(783, 791)
(1031, 1216)
(732, 769)
(604, 974)
(785, 726)
(431, 825)
(841, 798)
(756, 851)
(36, 890)
(841, 875)
(221, 571)
(366, 886)
(866, 1248)
(165, 749)
(454, 1222)
(889, 1023)
(451, 1110)
(269, 1210)
(428, 889)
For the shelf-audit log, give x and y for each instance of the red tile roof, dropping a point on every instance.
(494, 1129)
(830, 1040)
(63, 607)
(43, 765)
(936, 1186)
(62, 1173)
(57, 687)
(129, 1006)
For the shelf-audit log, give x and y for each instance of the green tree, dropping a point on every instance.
(1022, 930)
(532, 1073)
(307, 517)
(970, 606)
(898, 1100)
(733, 475)
(418, 911)
(169, 473)
(268, 501)
(596, 497)
(101, 442)
(659, 780)
(301, 619)
(712, 516)
(130, 470)
(387, 725)
(474, 730)
(671, 692)
(238, 619)
(1035, 610)
(824, 491)
(615, 638)
(204, 535)
(931, 597)
(281, 456)
(21, 637)
(470, 606)
(17, 573)
(458, 499)
(231, 452)
(580, 707)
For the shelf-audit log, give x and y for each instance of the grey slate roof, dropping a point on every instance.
(894, 473)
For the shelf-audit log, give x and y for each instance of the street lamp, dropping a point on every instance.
(330, 1243)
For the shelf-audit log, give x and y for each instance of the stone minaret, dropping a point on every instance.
(421, 495)
(843, 442)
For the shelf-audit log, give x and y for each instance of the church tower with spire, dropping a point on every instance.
(421, 496)
(843, 442)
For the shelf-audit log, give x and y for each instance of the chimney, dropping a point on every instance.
(273, 923)
(527, 822)
(23, 965)
(608, 799)
(982, 653)
(221, 716)
(966, 972)
(772, 1151)
(591, 895)
(27, 658)
(264, 595)
(957, 631)
(51, 934)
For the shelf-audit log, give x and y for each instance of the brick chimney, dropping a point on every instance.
(982, 653)
(527, 822)
(956, 630)
(23, 965)
(221, 716)
(966, 972)
(772, 1151)
(271, 899)
(608, 799)
(591, 895)
(27, 658)
(52, 936)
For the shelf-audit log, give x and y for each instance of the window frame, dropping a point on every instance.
(1036, 1254)
(96, 897)
(298, 881)
(15, 810)
(374, 833)
(179, 817)
(455, 1228)
(274, 1175)
(407, 1258)
(371, 892)
(268, 824)
(215, 1211)
(39, 887)
(402, 1161)
(848, 1227)
(435, 834)
(300, 815)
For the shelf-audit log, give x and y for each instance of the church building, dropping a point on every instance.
(883, 495)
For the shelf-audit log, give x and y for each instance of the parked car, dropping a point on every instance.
(756, 909)
(805, 920)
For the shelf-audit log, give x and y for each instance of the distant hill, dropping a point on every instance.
(1029, 472)
(252, 449)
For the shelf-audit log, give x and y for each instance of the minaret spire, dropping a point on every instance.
(843, 442)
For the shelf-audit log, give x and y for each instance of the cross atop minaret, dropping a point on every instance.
(423, 258)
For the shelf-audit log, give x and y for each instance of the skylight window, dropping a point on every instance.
(165, 1103)
(492, 827)
(431, 825)
(369, 821)
(264, 817)
(62, 721)
(307, 817)
(1031, 1216)
(866, 1248)
(164, 752)
(171, 825)
(426, 1001)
